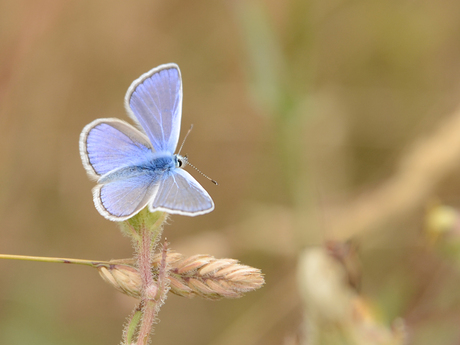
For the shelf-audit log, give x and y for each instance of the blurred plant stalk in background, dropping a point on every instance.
(335, 311)
(281, 77)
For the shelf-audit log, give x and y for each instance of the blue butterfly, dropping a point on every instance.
(136, 169)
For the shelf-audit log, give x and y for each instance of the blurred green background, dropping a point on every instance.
(305, 113)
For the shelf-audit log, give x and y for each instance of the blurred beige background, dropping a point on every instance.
(300, 109)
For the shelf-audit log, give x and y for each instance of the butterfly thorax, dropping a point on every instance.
(162, 164)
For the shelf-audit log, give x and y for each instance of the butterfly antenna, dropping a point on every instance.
(183, 141)
(194, 167)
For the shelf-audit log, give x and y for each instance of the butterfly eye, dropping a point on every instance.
(179, 162)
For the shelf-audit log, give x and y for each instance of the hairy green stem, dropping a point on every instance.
(145, 229)
(133, 324)
(144, 257)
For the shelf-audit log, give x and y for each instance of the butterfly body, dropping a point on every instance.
(135, 169)
(154, 169)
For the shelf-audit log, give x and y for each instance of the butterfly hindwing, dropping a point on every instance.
(180, 193)
(124, 193)
(155, 102)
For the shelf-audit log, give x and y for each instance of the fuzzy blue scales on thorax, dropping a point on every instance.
(161, 164)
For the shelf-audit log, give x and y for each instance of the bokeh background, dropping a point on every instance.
(321, 120)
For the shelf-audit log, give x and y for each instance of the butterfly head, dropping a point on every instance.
(180, 161)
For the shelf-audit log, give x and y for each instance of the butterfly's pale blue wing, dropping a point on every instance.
(180, 193)
(109, 144)
(109, 148)
(125, 194)
(155, 102)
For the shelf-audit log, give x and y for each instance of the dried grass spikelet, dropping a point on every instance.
(335, 311)
(198, 275)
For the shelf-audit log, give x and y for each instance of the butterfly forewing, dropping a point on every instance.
(108, 144)
(155, 102)
(180, 193)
